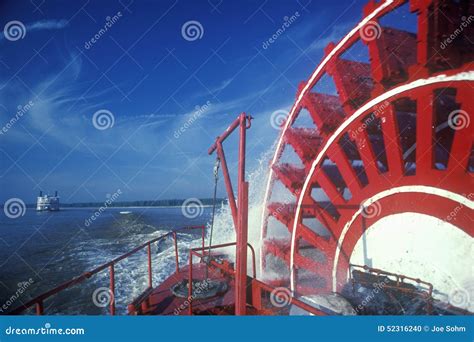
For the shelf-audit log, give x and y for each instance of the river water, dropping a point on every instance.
(40, 250)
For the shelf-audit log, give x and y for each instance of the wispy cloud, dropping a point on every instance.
(48, 25)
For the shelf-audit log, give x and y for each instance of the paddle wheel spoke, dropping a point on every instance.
(392, 142)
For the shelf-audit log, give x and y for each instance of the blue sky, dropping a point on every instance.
(151, 80)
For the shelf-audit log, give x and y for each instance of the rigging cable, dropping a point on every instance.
(216, 173)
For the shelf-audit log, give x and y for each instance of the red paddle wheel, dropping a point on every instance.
(396, 138)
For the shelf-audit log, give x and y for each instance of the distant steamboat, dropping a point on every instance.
(47, 203)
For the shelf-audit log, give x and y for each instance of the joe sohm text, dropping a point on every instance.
(421, 328)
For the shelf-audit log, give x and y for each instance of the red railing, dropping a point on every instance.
(39, 300)
(194, 251)
(257, 286)
(400, 280)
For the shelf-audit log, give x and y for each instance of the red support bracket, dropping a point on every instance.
(239, 209)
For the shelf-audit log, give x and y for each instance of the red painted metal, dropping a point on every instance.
(164, 303)
(112, 289)
(372, 153)
(39, 308)
(258, 288)
(176, 256)
(223, 267)
(239, 211)
(190, 282)
(325, 110)
(243, 120)
(291, 176)
(353, 82)
(150, 275)
(241, 259)
(228, 184)
(38, 301)
(306, 143)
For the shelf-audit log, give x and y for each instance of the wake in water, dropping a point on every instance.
(115, 234)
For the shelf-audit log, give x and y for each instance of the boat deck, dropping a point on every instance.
(161, 301)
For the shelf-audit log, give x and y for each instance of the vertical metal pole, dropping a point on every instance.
(39, 308)
(241, 170)
(176, 251)
(242, 234)
(256, 295)
(190, 283)
(150, 276)
(203, 238)
(112, 289)
(242, 237)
